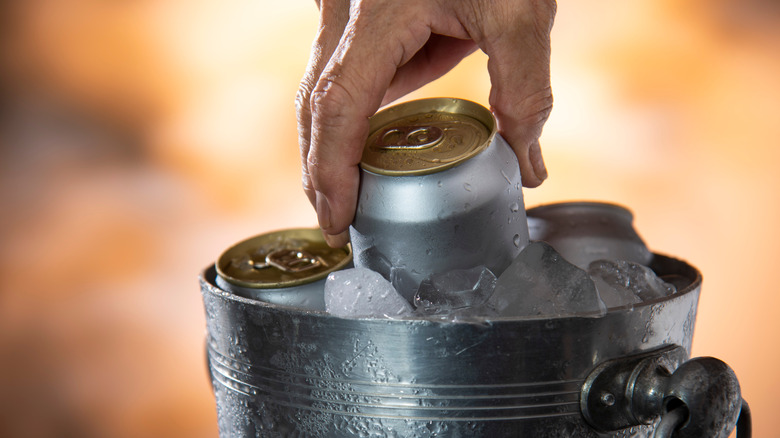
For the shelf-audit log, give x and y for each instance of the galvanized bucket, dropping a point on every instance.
(282, 372)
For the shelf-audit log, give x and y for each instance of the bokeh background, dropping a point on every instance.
(141, 138)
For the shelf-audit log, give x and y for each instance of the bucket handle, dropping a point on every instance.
(700, 398)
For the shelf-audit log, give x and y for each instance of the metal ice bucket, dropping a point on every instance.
(283, 372)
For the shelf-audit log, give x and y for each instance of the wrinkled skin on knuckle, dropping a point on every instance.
(364, 7)
(404, 22)
(314, 173)
(328, 102)
(305, 88)
(528, 114)
(306, 181)
(537, 12)
(308, 185)
(303, 116)
(486, 19)
(537, 107)
(542, 25)
(547, 8)
(543, 104)
(302, 106)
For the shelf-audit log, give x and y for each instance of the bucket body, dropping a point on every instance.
(279, 371)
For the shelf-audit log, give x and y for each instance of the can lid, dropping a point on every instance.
(281, 259)
(426, 136)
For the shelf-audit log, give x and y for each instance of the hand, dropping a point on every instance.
(368, 53)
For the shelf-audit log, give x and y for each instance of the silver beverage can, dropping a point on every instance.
(440, 190)
(583, 232)
(286, 267)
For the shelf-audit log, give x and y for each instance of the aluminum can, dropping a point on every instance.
(440, 190)
(286, 267)
(583, 232)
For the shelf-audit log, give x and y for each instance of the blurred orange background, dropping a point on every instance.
(140, 139)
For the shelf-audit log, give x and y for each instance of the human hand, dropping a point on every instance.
(368, 53)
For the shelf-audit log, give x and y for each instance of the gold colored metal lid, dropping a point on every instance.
(426, 136)
(281, 259)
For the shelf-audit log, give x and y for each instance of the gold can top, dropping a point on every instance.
(281, 259)
(426, 136)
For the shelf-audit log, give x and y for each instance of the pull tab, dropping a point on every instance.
(409, 137)
(291, 260)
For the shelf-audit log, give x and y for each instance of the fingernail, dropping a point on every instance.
(541, 171)
(537, 162)
(336, 240)
(323, 211)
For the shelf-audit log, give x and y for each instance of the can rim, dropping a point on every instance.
(540, 210)
(313, 234)
(450, 105)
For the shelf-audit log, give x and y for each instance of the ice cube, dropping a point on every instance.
(403, 281)
(374, 260)
(621, 282)
(678, 281)
(540, 282)
(614, 296)
(441, 294)
(361, 292)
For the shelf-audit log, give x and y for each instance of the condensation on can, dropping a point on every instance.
(440, 190)
(286, 267)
